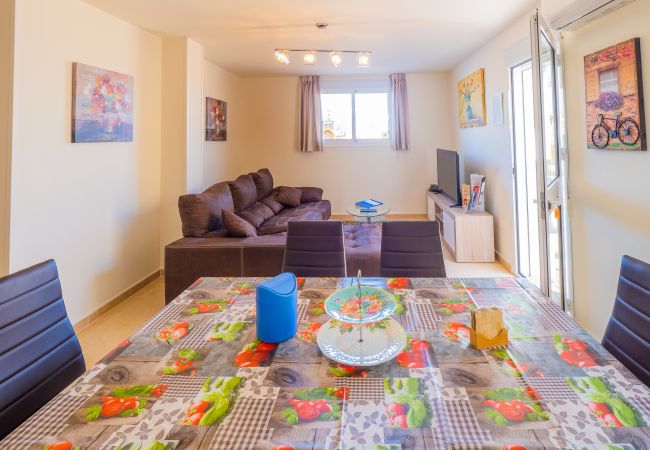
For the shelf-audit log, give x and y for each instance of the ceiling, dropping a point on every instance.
(404, 35)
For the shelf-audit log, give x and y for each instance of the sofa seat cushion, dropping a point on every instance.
(278, 224)
(244, 192)
(323, 207)
(237, 226)
(263, 182)
(201, 213)
(273, 203)
(362, 248)
(256, 214)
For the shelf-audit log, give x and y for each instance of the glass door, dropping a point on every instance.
(525, 172)
(548, 91)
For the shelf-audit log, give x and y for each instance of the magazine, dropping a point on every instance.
(477, 192)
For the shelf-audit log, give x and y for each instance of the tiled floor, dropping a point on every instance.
(109, 330)
(101, 336)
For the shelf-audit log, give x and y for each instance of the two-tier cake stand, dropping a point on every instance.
(360, 331)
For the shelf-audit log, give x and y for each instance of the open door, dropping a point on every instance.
(552, 167)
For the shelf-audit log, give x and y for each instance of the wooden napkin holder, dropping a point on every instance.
(488, 330)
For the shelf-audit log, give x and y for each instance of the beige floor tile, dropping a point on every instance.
(104, 334)
(473, 270)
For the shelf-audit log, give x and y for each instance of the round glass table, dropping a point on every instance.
(377, 215)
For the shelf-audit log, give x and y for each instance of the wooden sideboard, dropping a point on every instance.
(469, 236)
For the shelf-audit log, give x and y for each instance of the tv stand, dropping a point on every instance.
(469, 236)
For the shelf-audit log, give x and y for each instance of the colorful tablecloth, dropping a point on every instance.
(196, 377)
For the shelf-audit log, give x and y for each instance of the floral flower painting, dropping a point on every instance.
(471, 100)
(216, 128)
(614, 94)
(102, 105)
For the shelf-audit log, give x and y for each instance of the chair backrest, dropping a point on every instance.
(315, 249)
(39, 351)
(411, 249)
(627, 336)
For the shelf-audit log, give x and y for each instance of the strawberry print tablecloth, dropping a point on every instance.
(196, 377)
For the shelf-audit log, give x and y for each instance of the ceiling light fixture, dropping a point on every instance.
(282, 56)
(336, 58)
(363, 59)
(309, 57)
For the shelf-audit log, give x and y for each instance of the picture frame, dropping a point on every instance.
(102, 105)
(471, 100)
(216, 119)
(614, 98)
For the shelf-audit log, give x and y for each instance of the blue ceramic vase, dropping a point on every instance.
(277, 304)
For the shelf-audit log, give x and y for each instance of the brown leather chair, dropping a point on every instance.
(315, 249)
(39, 351)
(411, 249)
(627, 336)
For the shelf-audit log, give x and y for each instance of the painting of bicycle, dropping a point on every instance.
(614, 94)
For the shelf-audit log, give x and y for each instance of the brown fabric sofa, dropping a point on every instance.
(207, 249)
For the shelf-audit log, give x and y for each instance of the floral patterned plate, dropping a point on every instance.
(344, 305)
(382, 341)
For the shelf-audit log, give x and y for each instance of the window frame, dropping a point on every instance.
(354, 87)
(610, 69)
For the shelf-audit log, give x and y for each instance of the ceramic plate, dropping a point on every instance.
(376, 304)
(382, 341)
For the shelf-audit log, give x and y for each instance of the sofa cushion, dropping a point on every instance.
(237, 226)
(362, 248)
(263, 182)
(273, 203)
(256, 214)
(288, 196)
(311, 194)
(323, 207)
(244, 192)
(201, 213)
(278, 224)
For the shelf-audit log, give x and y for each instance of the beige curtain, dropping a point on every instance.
(311, 125)
(400, 106)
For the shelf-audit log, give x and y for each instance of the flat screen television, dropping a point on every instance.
(449, 175)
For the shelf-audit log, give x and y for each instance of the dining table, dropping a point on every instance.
(195, 376)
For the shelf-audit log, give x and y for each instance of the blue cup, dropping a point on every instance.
(277, 308)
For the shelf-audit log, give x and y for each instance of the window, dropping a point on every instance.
(355, 114)
(608, 80)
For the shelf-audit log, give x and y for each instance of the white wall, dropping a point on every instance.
(400, 179)
(222, 159)
(6, 99)
(610, 205)
(92, 207)
(487, 150)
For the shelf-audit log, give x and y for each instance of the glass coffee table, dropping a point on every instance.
(369, 217)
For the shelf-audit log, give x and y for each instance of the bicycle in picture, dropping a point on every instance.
(626, 130)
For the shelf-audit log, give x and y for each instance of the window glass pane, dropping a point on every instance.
(551, 150)
(609, 80)
(371, 114)
(337, 116)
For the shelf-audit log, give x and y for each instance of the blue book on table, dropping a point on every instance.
(367, 204)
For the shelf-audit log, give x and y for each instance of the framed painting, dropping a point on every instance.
(614, 95)
(216, 124)
(102, 105)
(471, 100)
